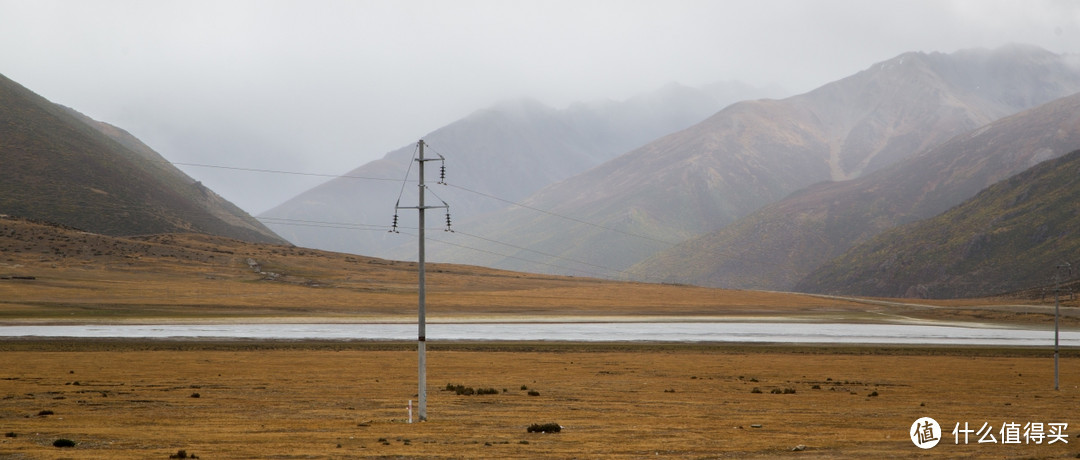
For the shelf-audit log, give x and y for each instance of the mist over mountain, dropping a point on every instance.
(507, 151)
(60, 166)
(754, 153)
(776, 247)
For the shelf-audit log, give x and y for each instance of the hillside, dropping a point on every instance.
(777, 246)
(60, 166)
(755, 153)
(1008, 237)
(64, 274)
(509, 150)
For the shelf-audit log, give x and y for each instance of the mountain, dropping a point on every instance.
(60, 166)
(779, 245)
(754, 153)
(507, 151)
(1008, 237)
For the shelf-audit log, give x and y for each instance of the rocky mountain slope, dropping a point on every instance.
(1008, 237)
(60, 166)
(507, 151)
(755, 153)
(779, 245)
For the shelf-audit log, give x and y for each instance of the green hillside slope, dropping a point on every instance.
(60, 166)
(1008, 237)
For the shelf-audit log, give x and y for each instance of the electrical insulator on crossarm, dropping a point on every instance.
(448, 229)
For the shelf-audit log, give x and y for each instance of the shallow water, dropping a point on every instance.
(749, 332)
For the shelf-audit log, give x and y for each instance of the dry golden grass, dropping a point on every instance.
(259, 400)
(349, 401)
(80, 277)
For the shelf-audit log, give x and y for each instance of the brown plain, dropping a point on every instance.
(348, 400)
(264, 399)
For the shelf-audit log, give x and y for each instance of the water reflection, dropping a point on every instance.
(763, 332)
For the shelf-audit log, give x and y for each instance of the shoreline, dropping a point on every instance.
(113, 344)
(868, 318)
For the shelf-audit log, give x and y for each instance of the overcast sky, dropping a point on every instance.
(326, 86)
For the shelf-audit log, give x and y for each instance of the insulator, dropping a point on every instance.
(448, 222)
(442, 174)
(393, 228)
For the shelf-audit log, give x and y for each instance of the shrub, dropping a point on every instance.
(534, 393)
(183, 454)
(756, 390)
(469, 391)
(45, 412)
(544, 428)
(63, 443)
(872, 394)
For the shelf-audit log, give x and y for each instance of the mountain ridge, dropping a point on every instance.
(1008, 237)
(780, 244)
(508, 150)
(61, 166)
(754, 153)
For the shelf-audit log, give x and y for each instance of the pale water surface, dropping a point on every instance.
(751, 332)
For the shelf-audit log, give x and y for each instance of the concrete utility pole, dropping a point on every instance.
(1057, 315)
(421, 339)
(421, 320)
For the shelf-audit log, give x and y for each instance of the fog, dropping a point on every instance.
(325, 86)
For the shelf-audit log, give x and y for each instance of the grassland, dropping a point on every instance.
(79, 277)
(245, 400)
(131, 399)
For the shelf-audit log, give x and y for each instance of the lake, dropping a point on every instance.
(698, 331)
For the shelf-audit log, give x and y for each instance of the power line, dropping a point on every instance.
(546, 254)
(373, 227)
(318, 224)
(507, 256)
(555, 214)
(321, 224)
(275, 171)
(407, 172)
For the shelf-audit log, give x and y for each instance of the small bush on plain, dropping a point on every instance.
(544, 428)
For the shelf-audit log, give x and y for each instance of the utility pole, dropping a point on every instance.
(421, 320)
(1057, 315)
(421, 338)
